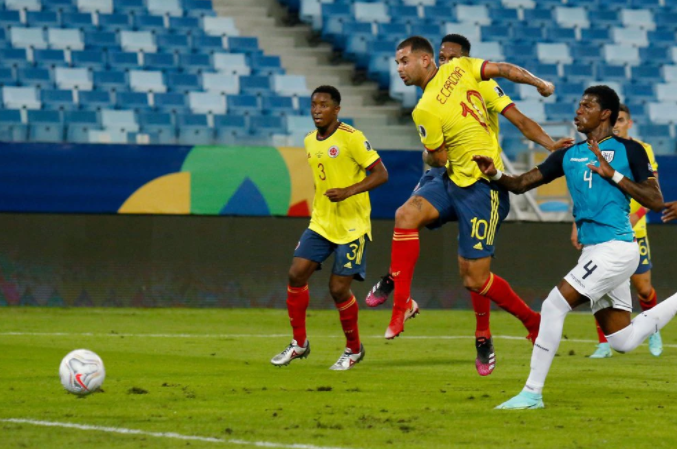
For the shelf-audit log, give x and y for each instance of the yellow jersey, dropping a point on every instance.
(497, 101)
(452, 114)
(640, 226)
(338, 161)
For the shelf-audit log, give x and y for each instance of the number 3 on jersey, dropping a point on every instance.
(322, 174)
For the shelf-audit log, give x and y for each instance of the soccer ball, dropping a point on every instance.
(82, 372)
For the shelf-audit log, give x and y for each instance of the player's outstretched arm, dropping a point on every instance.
(378, 176)
(670, 212)
(647, 193)
(515, 184)
(517, 74)
(533, 131)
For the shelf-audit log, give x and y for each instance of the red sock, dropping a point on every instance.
(600, 335)
(482, 307)
(498, 290)
(649, 302)
(297, 303)
(348, 314)
(403, 257)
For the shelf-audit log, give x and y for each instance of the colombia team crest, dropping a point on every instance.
(333, 151)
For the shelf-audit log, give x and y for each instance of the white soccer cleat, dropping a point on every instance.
(293, 351)
(348, 359)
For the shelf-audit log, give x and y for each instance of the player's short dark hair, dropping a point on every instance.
(607, 99)
(624, 108)
(331, 90)
(417, 43)
(460, 40)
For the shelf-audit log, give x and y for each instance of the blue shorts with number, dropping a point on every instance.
(349, 259)
(644, 256)
(479, 209)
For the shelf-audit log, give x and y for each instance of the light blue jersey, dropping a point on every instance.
(601, 208)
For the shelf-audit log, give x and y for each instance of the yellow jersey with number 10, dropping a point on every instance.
(640, 226)
(452, 114)
(339, 161)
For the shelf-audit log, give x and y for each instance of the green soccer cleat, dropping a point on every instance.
(603, 351)
(656, 344)
(523, 401)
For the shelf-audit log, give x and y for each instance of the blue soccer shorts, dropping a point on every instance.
(433, 187)
(644, 256)
(349, 259)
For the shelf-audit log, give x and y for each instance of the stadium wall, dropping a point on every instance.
(209, 261)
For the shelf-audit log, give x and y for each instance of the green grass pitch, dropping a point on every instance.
(206, 373)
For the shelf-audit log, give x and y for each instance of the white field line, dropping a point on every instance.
(170, 435)
(231, 336)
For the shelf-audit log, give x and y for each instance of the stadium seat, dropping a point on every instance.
(114, 22)
(7, 77)
(146, 81)
(173, 102)
(438, 15)
(61, 100)
(630, 36)
(638, 18)
(82, 21)
(647, 74)
(137, 41)
(155, 24)
(195, 63)
(266, 65)
(173, 42)
(65, 39)
(95, 100)
(477, 14)
(639, 92)
(273, 105)
(559, 35)
(267, 125)
(10, 19)
(28, 5)
(50, 58)
(220, 26)
(667, 92)
(70, 78)
(90, 59)
(12, 129)
(651, 54)
(611, 72)
(289, 85)
(560, 111)
(20, 98)
(229, 128)
(661, 113)
(538, 17)
(42, 19)
(130, 7)
(165, 7)
(159, 61)
(198, 8)
(371, 12)
(97, 6)
(39, 78)
(183, 82)
(670, 73)
(533, 109)
(596, 36)
(100, 40)
(256, 85)
(403, 14)
(243, 104)
(469, 30)
(27, 38)
(488, 50)
(79, 123)
(185, 25)
(554, 53)
(572, 17)
(207, 44)
(195, 130)
(585, 53)
(495, 33)
(123, 60)
(159, 124)
(621, 54)
(119, 120)
(246, 45)
(234, 64)
(662, 38)
(221, 84)
(206, 103)
(138, 101)
(45, 126)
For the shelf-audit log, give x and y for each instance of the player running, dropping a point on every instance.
(436, 207)
(451, 119)
(339, 156)
(601, 174)
(641, 280)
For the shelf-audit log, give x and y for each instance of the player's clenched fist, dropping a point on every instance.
(546, 89)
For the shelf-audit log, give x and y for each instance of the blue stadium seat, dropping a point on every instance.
(124, 121)
(79, 123)
(16, 57)
(438, 14)
(173, 42)
(404, 14)
(160, 61)
(639, 92)
(570, 91)
(304, 105)
(596, 35)
(12, 128)
(266, 65)
(666, 19)
(274, 105)
(289, 85)
(243, 45)
(243, 104)
(207, 44)
(220, 26)
(235, 64)
(547, 71)
(61, 100)
(171, 102)
(183, 82)
(333, 17)
(647, 74)
(20, 97)
(83, 21)
(256, 85)
(160, 124)
(27, 37)
(611, 72)
(95, 100)
(123, 60)
(195, 63)
(604, 17)
(73, 78)
(114, 22)
(101, 40)
(538, 17)
(496, 33)
(560, 111)
(45, 126)
(138, 41)
(656, 131)
(42, 19)
(579, 72)
(206, 103)
(586, 53)
(137, 101)
(231, 124)
(144, 22)
(96, 6)
(194, 130)
(185, 25)
(65, 39)
(10, 19)
(267, 125)
(520, 52)
(220, 83)
(198, 8)
(560, 35)
(504, 16)
(371, 12)
(165, 7)
(664, 38)
(40, 78)
(89, 58)
(146, 81)
(391, 31)
(50, 58)
(133, 7)
(7, 77)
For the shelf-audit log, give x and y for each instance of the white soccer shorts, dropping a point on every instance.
(603, 274)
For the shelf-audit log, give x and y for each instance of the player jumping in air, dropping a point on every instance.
(451, 119)
(339, 156)
(641, 280)
(602, 174)
(430, 206)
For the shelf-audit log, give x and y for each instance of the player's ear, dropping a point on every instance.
(605, 114)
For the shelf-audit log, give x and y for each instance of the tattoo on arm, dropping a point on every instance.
(647, 193)
(517, 74)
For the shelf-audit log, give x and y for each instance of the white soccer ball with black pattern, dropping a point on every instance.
(82, 372)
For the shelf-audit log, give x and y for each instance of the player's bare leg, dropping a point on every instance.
(339, 287)
(413, 215)
(484, 286)
(647, 301)
(298, 298)
(409, 218)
